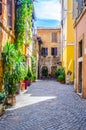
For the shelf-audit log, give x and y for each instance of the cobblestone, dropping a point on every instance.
(47, 105)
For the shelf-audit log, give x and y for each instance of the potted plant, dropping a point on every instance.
(29, 74)
(61, 78)
(10, 88)
(26, 81)
(9, 56)
(60, 74)
(20, 71)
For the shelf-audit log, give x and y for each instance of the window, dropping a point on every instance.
(80, 48)
(54, 37)
(44, 52)
(9, 9)
(54, 51)
(0, 7)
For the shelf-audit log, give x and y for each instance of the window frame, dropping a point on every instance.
(54, 37)
(54, 51)
(44, 51)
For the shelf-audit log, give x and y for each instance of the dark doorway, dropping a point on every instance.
(80, 78)
(44, 71)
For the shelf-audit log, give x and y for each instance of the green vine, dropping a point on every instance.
(34, 63)
(23, 22)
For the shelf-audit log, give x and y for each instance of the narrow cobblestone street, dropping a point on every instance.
(47, 105)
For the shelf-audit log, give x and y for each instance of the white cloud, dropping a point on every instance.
(48, 9)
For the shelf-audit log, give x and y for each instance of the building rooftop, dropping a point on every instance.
(49, 28)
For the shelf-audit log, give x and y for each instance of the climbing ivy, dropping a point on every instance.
(34, 63)
(23, 22)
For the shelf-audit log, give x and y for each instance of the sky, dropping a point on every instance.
(48, 13)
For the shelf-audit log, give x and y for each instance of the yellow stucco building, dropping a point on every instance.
(67, 31)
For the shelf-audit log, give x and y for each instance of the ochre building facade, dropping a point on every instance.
(7, 20)
(49, 50)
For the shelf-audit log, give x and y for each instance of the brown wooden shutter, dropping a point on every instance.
(54, 37)
(0, 7)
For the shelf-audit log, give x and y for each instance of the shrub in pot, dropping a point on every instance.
(10, 88)
(29, 74)
(61, 78)
(9, 55)
(26, 81)
(59, 71)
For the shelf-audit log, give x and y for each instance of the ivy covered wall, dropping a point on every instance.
(23, 22)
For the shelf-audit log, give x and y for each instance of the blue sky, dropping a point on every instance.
(48, 12)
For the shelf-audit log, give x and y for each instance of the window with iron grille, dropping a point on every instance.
(0, 7)
(54, 51)
(44, 51)
(9, 11)
(54, 37)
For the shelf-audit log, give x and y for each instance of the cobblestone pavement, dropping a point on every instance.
(47, 105)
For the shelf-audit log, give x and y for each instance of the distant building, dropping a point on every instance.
(7, 18)
(79, 13)
(49, 50)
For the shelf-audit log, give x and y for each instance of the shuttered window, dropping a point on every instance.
(9, 10)
(0, 7)
(44, 51)
(54, 51)
(54, 37)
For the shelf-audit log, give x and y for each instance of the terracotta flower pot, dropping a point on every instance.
(22, 86)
